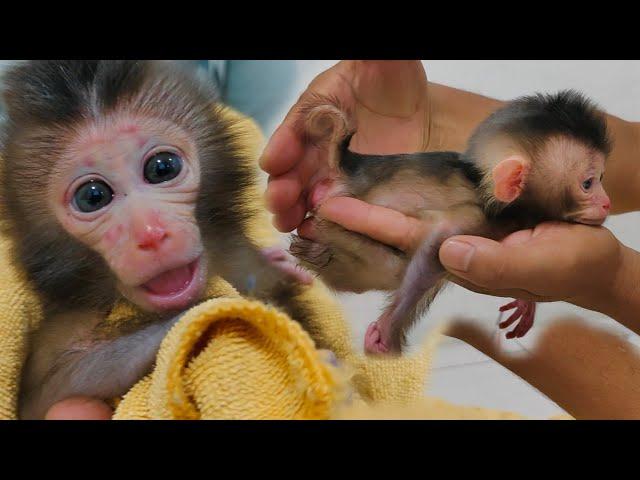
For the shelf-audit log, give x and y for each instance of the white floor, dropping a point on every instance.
(462, 374)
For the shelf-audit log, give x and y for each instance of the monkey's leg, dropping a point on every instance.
(525, 311)
(373, 342)
(424, 277)
(88, 367)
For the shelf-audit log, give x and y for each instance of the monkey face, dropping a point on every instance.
(587, 202)
(593, 201)
(127, 189)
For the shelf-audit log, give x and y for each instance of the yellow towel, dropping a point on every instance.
(230, 357)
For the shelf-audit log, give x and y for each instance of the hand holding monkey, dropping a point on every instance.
(554, 261)
(539, 158)
(390, 101)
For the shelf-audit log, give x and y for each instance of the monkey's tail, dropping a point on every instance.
(326, 122)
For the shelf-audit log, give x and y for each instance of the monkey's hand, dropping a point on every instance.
(525, 312)
(284, 262)
(389, 103)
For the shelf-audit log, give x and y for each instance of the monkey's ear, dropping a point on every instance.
(509, 178)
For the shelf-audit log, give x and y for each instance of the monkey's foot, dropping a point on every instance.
(284, 262)
(373, 344)
(525, 311)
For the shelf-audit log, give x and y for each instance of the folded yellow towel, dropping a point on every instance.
(231, 357)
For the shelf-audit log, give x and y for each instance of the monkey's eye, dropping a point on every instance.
(162, 167)
(92, 196)
(601, 176)
(586, 185)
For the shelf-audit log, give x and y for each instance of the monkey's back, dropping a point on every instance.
(412, 183)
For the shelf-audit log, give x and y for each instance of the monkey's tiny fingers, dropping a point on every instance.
(274, 253)
(514, 316)
(509, 306)
(526, 322)
(286, 263)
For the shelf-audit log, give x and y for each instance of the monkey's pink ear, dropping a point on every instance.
(509, 178)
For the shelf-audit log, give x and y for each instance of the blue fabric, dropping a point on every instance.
(257, 88)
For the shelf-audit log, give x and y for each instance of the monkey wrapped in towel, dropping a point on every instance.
(127, 180)
(206, 366)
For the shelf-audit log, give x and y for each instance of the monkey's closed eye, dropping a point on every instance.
(92, 196)
(586, 185)
(162, 167)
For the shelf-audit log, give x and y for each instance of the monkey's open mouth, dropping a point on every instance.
(172, 281)
(177, 288)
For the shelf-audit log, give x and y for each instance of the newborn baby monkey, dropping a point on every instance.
(540, 158)
(124, 179)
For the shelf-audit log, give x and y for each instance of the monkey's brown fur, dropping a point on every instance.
(47, 103)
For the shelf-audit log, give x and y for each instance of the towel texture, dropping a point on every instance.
(233, 358)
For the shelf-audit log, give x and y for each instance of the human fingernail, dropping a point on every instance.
(457, 255)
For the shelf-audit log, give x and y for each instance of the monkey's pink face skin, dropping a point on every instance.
(128, 190)
(580, 169)
(593, 201)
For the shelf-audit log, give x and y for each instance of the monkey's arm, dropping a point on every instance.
(103, 369)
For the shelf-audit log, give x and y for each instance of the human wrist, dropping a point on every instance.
(620, 298)
(453, 115)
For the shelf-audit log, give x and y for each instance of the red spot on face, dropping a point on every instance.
(89, 162)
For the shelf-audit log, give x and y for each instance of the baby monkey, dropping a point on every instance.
(539, 158)
(124, 179)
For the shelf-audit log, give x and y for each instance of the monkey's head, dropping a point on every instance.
(546, 154)
(104, 165)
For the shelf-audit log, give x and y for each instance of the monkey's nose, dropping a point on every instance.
(606, 205)
(151, 238)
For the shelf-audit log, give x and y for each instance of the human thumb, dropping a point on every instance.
(483, 262)
(393, 88)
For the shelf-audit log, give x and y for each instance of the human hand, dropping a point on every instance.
(389, 102)
(554, 261)
(79, 408)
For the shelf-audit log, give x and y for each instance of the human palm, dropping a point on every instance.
(388, 101)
